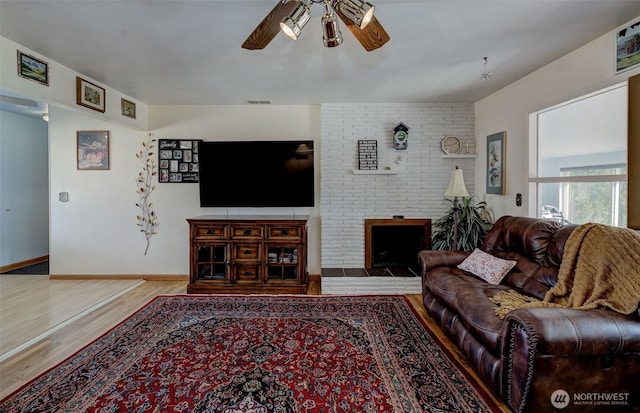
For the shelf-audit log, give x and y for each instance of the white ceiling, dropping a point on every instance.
(188, 51)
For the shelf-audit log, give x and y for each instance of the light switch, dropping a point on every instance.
(63, 196)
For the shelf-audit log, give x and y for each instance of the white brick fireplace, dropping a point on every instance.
(414, 190)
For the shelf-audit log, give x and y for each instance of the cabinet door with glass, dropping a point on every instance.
(283, 263)
(211, 262)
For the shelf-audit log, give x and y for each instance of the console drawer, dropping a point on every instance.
(239, 231)
(246, 274)
(284, 231)
(246, 252)
(210, 231)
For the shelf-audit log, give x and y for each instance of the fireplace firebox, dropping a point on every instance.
(392, 245)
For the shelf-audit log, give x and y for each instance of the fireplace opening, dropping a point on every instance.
(392, 245)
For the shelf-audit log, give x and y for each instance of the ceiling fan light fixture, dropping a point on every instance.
(486, 75)
(331, 35)
(358, 11)
(293, 24)
(291, 16)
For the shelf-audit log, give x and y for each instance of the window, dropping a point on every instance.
(580, 172)
(603, 202)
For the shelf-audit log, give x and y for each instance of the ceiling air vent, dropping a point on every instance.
(258, 102)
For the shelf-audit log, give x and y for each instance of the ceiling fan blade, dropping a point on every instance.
(269, 27)
(372, 37)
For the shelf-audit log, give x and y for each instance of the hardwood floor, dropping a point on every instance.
(53, 348)
(31, 305)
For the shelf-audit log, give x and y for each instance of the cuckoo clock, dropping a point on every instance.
(400, 136)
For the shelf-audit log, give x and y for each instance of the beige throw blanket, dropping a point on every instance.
(600, 268)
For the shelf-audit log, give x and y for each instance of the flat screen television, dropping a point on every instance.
(256, 174)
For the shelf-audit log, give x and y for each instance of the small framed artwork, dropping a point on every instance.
(128, 108)
(90, 95)
(93, 149)
(496, 162)
(32, 68)
(628, 46)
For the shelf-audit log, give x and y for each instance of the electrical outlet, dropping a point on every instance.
(63, 197)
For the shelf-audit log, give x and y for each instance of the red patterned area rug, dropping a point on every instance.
(260, 354)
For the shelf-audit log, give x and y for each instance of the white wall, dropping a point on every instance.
(95, 232)
(585, 70)
(415, 192)
(176, 202)
(24, 188)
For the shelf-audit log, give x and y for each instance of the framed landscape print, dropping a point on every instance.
(32, 68)
(496, 161)
(90, 95)
(628, 46)
(92, 147)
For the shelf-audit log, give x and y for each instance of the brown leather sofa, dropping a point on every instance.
(579, 360)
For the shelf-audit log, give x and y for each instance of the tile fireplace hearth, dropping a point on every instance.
(364, 281)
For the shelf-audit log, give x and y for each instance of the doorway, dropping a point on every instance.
(24, 182)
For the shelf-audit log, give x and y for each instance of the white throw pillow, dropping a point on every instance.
(486, 266)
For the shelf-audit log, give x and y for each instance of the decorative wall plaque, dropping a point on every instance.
(367, 154)
(178, 160)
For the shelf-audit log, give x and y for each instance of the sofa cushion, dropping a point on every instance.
(486, 266)
(528, 277)
(468, 296)
(530, 236)
(556, 247)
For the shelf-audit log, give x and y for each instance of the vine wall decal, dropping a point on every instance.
(147, 219)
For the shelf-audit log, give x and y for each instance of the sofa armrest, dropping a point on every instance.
(430, 259)
(568, 331)
(579, 351)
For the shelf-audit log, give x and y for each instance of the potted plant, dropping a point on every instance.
(474, 222)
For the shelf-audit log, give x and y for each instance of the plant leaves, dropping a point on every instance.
(474, 222)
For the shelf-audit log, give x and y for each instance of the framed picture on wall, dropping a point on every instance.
(90, 95)
(92, 147)
(628, 46)
(367, 154)
(178, 160)
(496, 163)
(32, 68)
(128, 108)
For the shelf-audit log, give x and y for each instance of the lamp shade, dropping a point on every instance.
(332, 36)
(456, 185)
(293, 24)
(359, 12)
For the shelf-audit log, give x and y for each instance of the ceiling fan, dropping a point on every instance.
(290, 16)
